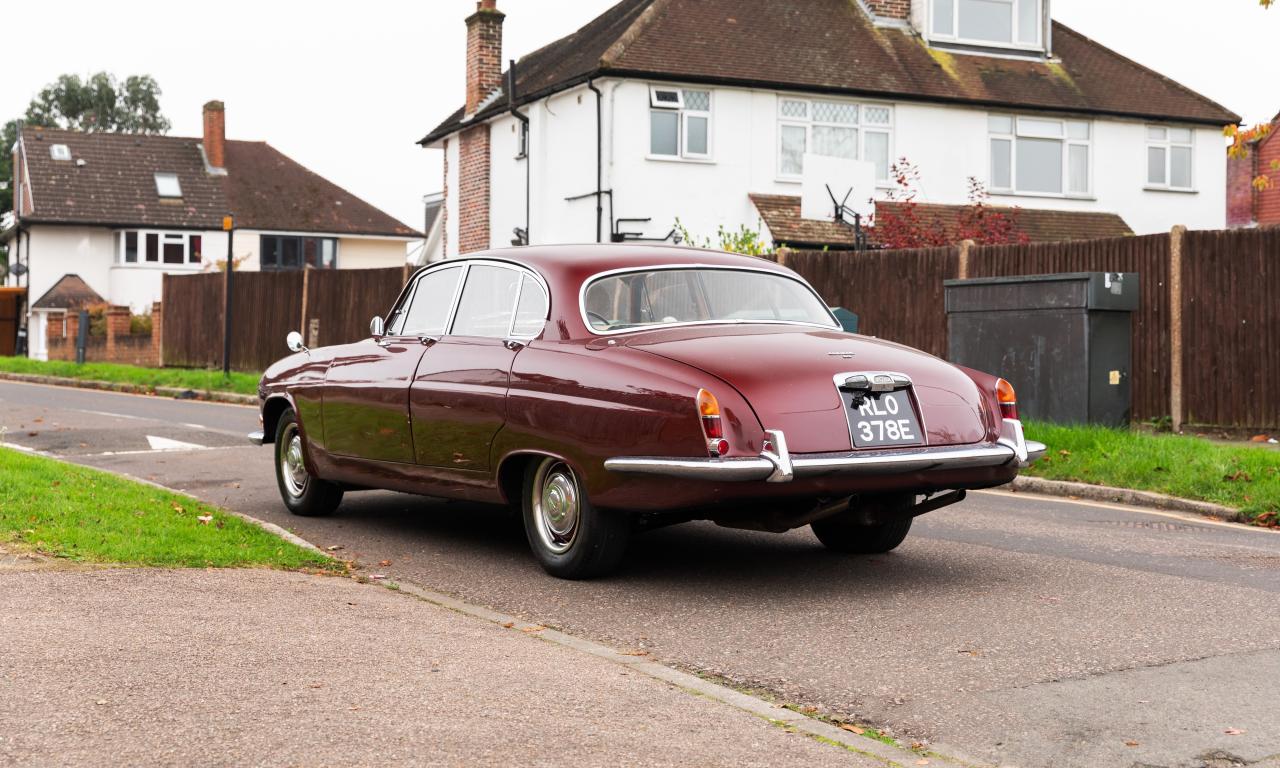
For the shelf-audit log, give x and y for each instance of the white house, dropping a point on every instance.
(664, 109)
(122, 210)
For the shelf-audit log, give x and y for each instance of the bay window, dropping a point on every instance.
(1003, 23)
(1170, 155)
(840, 129)
(679, 123)
(151, 248)
(1040, 156)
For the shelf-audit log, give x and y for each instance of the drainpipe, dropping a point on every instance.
(599, 159)
(528, 152)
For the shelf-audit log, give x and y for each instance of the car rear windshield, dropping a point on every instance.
(658, 297)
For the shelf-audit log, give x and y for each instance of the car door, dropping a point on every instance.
(366, 397)
(458, 397)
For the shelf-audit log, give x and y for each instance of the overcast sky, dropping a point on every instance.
(346, 88)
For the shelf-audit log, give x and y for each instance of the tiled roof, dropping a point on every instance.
(70, 292)
(781, 213)
(110, 180)
(832, 46)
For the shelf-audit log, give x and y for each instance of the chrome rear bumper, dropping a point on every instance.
(779, 466)
(257, 438)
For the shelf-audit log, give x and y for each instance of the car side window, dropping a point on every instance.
(427, 311)
(531, 312)
(488, 302)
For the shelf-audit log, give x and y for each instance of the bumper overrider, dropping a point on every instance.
(779, 466)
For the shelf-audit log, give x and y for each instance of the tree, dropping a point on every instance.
(101, 103)
(907, 226)
(1243, 139)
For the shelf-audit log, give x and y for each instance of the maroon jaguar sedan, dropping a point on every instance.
(606, 390)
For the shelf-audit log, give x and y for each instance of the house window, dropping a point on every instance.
(679, 123)
(60, 152)
(522, 141)
(167, 185)
(1170, 152)
(1039, 156)
(291, 252)
(833, 129)
(140, 247)
(1008, 23)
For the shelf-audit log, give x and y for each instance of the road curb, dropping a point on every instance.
(1024, 484)
(176, 393)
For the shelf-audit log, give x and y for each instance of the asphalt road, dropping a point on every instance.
(1010, 629)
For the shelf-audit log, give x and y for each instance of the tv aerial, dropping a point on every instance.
(842, 215)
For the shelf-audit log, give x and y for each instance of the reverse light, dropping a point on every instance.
(1008, 399)
(712, 427)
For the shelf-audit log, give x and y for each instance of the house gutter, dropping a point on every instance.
(528, 151)
(599, 193)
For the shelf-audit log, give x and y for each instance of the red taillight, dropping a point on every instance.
(712, 428)
(1008, 399)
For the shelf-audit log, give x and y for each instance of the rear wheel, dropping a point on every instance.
(302, 493)
(570, 538)
(869, 528)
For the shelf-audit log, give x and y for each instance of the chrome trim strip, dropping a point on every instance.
(257, 438)
(406, 293)
(586, 322)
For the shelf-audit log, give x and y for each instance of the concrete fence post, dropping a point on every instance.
(965, 247)
(1177, 241)
(306, 282)
(783, 253)
(157, 333)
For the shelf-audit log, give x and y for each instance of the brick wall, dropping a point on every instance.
(445, 204)
(484, 53)
(117, 346)
(890, 9)
(1240, 190)
(1267, 202)
(473, 190)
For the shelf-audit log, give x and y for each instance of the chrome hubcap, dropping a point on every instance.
(292, 469)
(556, 505)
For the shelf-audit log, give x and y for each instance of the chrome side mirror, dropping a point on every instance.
(294, 342)
(377, 327)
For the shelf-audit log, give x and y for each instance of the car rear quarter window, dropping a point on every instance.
(428, 308)
(531, 312)
(488, 302)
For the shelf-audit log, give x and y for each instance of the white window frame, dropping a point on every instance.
(1168, 145)
(60, 152)
(861, 126)
(161, 236)
(167, 177)
(1064, 137)
(682, 122)
(954, 35)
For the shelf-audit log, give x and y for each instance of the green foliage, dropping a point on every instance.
(180, 378)
(1240, 476)
(90, 516)
(745, 241)
(101, 103)
(140, 324)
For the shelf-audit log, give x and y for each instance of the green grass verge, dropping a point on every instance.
(90, 516)
(1239, 476)
(181, 378)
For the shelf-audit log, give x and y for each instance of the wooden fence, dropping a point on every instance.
(328, 307)
(1206, 336)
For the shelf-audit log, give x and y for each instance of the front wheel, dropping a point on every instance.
(303, 494)
(855, 532)
(570, 538)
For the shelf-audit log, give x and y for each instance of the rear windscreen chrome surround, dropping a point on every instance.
(586, 285)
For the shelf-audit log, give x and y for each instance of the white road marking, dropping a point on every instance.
(165, 444)
(106, 454)
(1183, 516)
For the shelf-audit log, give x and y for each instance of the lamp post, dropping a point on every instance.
(228, 226)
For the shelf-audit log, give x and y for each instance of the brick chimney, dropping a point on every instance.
(890, 9)
(484, 52)
(215, 134)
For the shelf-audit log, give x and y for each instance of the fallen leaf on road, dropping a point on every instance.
(808, 710)
(852, 728)
(1131, 743)
(641, 653)
(1259, 438)
(334, 548)
(1237, 476)
(100, 702)
(1064, 453)
(384, 564)
(378, 576)
(508, 625)
(534, 628)
(1234, 731)
(316, 685)
(205, 519)
(922, 761)
(33, 434)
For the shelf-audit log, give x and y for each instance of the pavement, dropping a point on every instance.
(1008, 630)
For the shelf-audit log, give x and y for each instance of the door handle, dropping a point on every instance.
(384, 342)
(513, 345)
(427, 341)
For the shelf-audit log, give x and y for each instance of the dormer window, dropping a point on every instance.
(995, 23)
(167, 185)
(60, 152)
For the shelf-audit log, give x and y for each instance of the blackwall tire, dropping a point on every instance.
(302, 493)
(848, 532)
(570, 538)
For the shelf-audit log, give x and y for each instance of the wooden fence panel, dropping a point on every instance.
(192, 312)
(339, 304)
(1231, 328)
(267, 306)
(897, 295)
(1148, 256)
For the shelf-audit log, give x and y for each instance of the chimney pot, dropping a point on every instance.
(215, 134)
